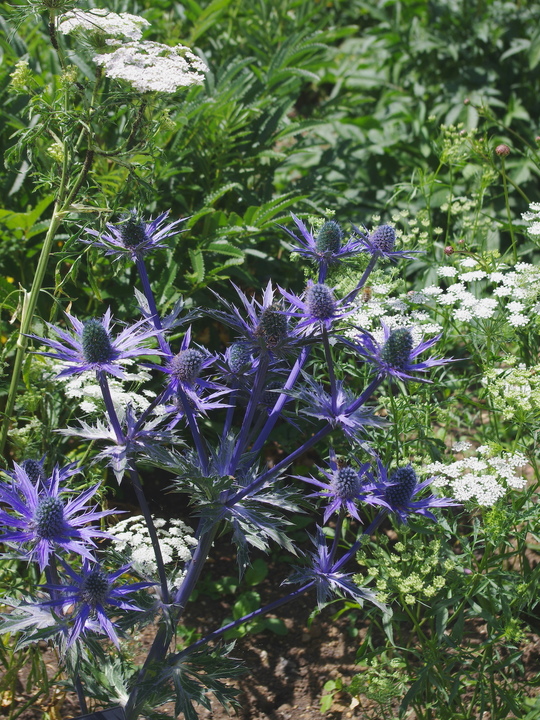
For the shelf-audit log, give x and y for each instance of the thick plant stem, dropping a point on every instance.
(29, 308)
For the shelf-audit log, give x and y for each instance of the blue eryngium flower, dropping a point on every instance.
(398, 491)
(395, 355)
(327, 247)
(318, 306)
(381, 242)
(328, 580)
(91, 591)
(340, 409)
(133, 237)
(44, 519)
(344, 488)
(91, 346)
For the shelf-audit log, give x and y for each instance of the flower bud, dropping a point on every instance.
(502, 150)
(396, 351)
(449, 250)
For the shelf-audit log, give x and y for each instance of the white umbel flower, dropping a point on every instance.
(154, 67)
(121, 26)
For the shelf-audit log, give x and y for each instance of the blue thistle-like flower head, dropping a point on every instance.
(90, 591)
(273, 326)
(34, 469)
(95, 587)
(239, 357)
(42, 519)
(346, 483)
(320, 301)
(381, 242)
(328, 247)
(397, 493)
(329, 238)
(186, 365)
(403, 484)
(91, 347)
(383, 238)
(395, 354)
(133, 237)
(96, 343)
(49, 518)
(396, 351)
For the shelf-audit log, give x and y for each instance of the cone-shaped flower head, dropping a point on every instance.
(396, 351)
(91, 346)
(320, 301)
(395, 354)
(273, 326)
(239, 356)
(186, 365)
(383, 238)
(42, 519)
(34, 469)
(133, 237)
(346, 483)
(96, 343)
(404, 482)
(95, 586)
(329, 238)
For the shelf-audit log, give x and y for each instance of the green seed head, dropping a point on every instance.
(49, 518)
(329, 238)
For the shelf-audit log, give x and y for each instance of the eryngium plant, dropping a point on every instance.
(262, 378)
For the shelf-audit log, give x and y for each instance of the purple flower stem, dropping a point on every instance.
(109, 405)
(149, 295)
(230, 411)
(364, 397)
(356, 546)
(367, 272)
(250, 412)
(195, 432)
(323, 271)
(337, 535)
(330, 364)
(280, 402)
(260, 481)
(143, 504)
(246, 618)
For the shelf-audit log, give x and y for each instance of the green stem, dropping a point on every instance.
(508, 212)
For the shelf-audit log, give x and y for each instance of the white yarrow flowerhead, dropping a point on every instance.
(120, 27)
(154, 67)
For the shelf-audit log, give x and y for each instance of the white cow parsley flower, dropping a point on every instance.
(121, 26)
(154, 67)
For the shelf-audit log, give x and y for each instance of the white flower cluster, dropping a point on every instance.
(515, 390)
(484, 478)
(85, 389)
(131, 536)
(533, 216)
(395, 312)
(153, 67)
(118, 27)
(516, 293)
